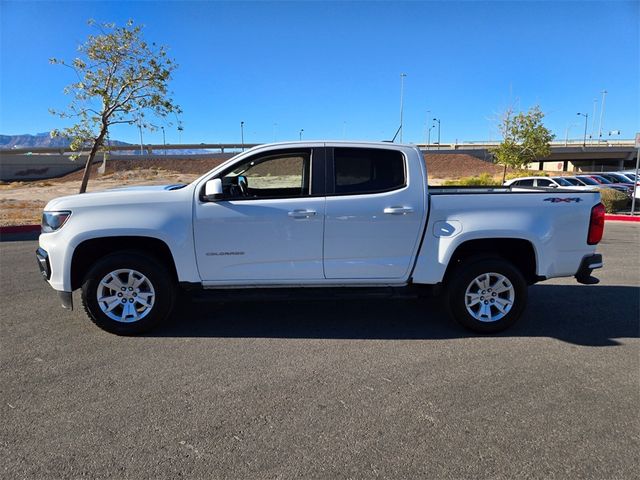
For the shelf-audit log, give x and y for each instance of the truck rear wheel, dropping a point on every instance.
(486, 295)
(127, 293)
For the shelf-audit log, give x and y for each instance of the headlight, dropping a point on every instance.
(52, 221)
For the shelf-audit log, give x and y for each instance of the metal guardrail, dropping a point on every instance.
(136, 148)
(221, 147)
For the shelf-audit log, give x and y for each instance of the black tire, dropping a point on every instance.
(464, 277)
(163, 294)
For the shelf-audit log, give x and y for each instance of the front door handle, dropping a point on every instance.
(302, 213)
(398, 210)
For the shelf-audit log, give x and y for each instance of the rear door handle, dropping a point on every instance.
(398, 210)
(302, 213)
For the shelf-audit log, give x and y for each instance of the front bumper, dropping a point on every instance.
(588, 265)
(43, 263)
(67, 300)
(45, 270)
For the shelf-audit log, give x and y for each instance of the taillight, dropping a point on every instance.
(596, 224)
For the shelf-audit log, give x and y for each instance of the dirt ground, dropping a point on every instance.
(21, 203)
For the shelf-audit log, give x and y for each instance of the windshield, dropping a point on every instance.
(563, 182)
(601, 179)
(573, 181)
(588, 181)
(614, 177)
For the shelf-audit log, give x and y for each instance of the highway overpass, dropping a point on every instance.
(40, 163)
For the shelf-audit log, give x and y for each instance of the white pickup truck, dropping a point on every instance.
(323, 217)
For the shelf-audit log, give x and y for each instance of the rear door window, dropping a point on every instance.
(525, 183)
(367, 170)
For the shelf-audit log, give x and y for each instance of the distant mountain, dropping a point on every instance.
(44, 140)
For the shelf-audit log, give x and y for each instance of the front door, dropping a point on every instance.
(268, 226)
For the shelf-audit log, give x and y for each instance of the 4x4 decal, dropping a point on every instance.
(563, 200)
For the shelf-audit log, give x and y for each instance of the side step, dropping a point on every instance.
(289, 294)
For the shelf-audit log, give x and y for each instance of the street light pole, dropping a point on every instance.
(593, 120)
(566, 136)
(438, 120)
(426, 127)
(636, 181)
(402, 75)
(164, 141)
(140, 129)
(242, 135)
(586, 119)
(604, 94)
(301, 132)
(429, 135)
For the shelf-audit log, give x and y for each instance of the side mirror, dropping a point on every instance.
(553, 185)
(213, 190)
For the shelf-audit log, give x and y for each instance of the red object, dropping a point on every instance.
(596, 224)
(20, 229)
(622, 218)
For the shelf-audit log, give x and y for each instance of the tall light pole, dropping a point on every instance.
(438, 120)
(242, 135)
(164, 140)
(300, 133)
(604, 94)
(180, 129)
(635, 178)
(593, 120)
(140, 130)
(429, 135)
(586, 120)
(566, 136)
(402, 75)
(426, 127)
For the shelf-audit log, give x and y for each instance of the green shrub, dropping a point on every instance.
(613, 200)
(483, 180)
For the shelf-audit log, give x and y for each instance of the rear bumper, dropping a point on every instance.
(588, 265)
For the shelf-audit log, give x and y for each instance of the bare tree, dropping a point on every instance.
(120, 78)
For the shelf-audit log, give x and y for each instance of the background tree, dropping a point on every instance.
(524, 139)
(120, 79)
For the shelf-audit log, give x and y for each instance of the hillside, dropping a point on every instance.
(457, 165)
(44, 140)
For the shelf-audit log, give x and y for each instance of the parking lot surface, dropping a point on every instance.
(347, 389)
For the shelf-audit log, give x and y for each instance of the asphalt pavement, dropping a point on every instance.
(347, 389)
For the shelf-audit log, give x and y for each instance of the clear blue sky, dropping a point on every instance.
(333, 68)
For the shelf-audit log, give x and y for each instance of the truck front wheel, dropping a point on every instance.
(127, 293)
(486, 295)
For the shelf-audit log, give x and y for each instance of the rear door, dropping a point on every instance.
(375, 212)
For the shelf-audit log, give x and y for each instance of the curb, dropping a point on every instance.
(20, 229)
(622, 218)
